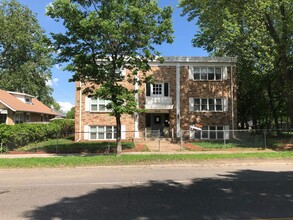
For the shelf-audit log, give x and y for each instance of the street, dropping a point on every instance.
(234, 190)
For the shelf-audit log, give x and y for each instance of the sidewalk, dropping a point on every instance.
(47, 155)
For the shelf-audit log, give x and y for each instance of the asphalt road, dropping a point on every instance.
(246, 190)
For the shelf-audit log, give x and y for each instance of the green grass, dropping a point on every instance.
(111, 160)
(68, 146)
(255, 142)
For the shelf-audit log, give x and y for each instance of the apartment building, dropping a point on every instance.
(191, 96)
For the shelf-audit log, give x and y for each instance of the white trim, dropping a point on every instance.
(226, 132)
(86, 135)
(224, 73)
(123, 132)
(178, 127)
(225, 104)
(12, 109)
(190, 72)
(191, 104)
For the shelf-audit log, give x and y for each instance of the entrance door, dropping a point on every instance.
(157, 124)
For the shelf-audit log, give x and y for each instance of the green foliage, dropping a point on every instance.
(13, 136)
(259, 33)
(104, 37)
(25, 58)
(71, 114)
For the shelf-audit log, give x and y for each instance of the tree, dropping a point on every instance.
(25, 59)
(104, 37)
(259, 33)
(70, 114)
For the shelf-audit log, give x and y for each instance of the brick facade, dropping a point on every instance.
(172, 69)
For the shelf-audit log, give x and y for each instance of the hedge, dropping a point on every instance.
(13, 136)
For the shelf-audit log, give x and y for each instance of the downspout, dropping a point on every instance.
(178, 116)
(80, 108)
(232, 101)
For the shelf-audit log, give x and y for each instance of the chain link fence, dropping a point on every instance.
(252, 138)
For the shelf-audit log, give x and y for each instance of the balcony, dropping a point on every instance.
(158, 103)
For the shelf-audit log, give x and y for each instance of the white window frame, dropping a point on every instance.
(98, 103)
(208, 105)
(162, 89)
(206, 130)
(205, 70)
(102, 130)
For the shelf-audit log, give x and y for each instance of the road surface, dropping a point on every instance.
(245, 190)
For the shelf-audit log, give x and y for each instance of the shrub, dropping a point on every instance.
(14, 136)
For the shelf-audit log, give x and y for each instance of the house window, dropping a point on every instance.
(18, 118)
(99, 105)
(3, 118)
(157, 89)
(102, 132)
(207, 73)
(208, 104)
(213, 132)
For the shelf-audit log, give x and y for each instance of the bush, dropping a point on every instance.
(18, 135)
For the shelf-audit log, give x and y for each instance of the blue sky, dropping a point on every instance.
(64, 92)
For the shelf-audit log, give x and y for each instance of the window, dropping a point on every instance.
(213, 132)
(206, 73)
(3, 118)
(207, 104)
(18, 118)
(99, 105)
(157, 89)
(102, 132)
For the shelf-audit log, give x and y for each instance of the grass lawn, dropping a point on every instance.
(64, 146)
(254, 142)
(112, 160)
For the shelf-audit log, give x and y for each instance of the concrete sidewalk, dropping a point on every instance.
(44, 155)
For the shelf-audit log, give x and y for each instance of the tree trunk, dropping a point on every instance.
(118, 134)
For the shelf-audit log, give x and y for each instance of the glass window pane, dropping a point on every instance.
(93, 128)
(102, 108)
(196, 73)
(220, 133)
(211, 104)
(219, 104)
(204, 104)
(204, 73)
(196, 76)
(101, 101)
(108, 136)
(94, 107)
(101, 128)
(218, 73)
(211, 74)
(101, 136)
(93, 101)
(93, 136)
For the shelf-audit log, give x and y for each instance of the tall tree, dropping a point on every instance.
(104, 37)
(25, 59)
(258, 32)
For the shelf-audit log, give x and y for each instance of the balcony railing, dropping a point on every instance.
(158, 103)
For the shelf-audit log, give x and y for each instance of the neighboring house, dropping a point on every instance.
(191, 96)
(18, 108)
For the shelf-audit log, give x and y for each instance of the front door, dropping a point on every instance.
(157, 124)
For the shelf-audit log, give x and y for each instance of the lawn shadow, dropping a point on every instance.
(247, 194)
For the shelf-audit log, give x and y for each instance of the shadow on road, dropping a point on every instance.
(247, 194)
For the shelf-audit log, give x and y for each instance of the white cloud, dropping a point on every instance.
(65, 106)
(52, 82)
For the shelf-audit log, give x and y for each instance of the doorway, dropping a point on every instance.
(158, 124)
